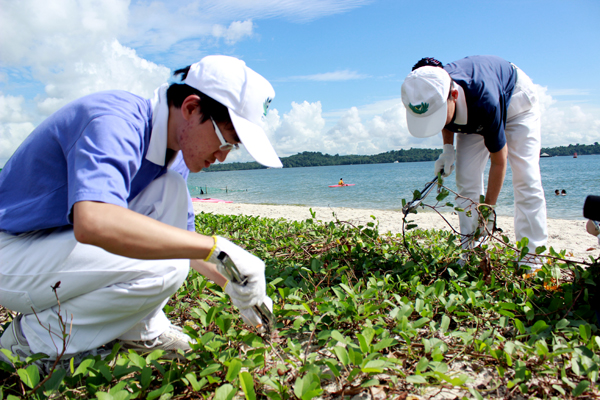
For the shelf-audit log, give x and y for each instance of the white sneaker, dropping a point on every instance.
(14, 341)
(172, 340)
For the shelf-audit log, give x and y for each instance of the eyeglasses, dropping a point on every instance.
(225, 146)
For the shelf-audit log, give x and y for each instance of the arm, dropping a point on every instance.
(448, 136)
(497, 173)
(126, 233)
(209, 270)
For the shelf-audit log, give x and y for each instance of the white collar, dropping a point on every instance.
(157, 148)
(461, 107)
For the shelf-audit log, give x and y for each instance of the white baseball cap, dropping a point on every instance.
(246, 95)
(424, 94)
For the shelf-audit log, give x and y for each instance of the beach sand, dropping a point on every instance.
(567, 235)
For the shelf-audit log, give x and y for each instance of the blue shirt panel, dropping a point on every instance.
(92, 149)
(488, 83)
(179, 166)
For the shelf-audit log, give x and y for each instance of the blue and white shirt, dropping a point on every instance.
(488, 83)
(93, 149)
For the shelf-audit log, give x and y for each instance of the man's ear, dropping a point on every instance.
(454, 92)
(190, 106)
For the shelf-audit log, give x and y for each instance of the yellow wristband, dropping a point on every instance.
(225, 285)
(212, 250)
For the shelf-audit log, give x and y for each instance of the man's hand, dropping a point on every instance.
(249, 266)
(487, 222)
(446, 161)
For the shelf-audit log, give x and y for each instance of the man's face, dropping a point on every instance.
(199, 143)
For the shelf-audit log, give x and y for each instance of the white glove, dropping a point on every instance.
(249, 266)
(251, 317)
(486, 227)
(445, 161)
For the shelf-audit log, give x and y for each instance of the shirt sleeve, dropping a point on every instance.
(103, 161)
(495, 138)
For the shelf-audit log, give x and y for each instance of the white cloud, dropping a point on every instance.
(236, 31)
(110, 66)
(15, 125)
(42, 33)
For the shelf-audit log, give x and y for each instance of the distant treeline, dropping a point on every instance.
(317, 159)
(569, 150)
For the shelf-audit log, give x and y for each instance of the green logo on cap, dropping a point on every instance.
(420, 108)
(266, 105)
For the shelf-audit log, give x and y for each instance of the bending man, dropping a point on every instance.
(493, 108)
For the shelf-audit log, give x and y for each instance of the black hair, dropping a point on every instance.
(432, 62)
(178, 92)
(427, 61)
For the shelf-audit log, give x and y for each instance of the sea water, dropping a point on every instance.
(383, 186)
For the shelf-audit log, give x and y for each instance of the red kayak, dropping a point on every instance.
(345, 184)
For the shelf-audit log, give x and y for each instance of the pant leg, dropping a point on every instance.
(107, 295)
(471, 159)
(523, 136)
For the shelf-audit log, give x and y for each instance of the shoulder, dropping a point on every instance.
(117, 102)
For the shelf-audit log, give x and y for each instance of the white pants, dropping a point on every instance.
(523, 137)
(105, 296)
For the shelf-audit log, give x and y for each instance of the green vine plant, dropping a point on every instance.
(364, 312)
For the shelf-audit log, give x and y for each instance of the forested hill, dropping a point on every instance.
(580, 149)
(317, 159)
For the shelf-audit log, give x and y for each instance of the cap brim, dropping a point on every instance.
(423, 127)
(255, 140)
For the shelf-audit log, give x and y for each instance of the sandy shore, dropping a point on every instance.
(567, 235)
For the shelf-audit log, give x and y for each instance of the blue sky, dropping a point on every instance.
(336, 65)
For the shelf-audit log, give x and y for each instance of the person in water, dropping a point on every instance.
(557, 192)
(563, 193)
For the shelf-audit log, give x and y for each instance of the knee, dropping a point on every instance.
(176, 275)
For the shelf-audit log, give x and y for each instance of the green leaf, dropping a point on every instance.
(364, 346)
(30, 375)
(563, 323)
(519, 325)
(374, 366)
(585, 331)
(338, 336)
(580, 388)
(136, 359)
(54, 382)
(83, 367)
(445, 323)
(307, 387)
(235, 366)
(416, 379)
(538, 327)
(117, 388)
(191, 377)
(160, 391)
(225, 392)
(370, 382)
(247, 384)
(475, 393)
(342, 355)
(212, 368)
